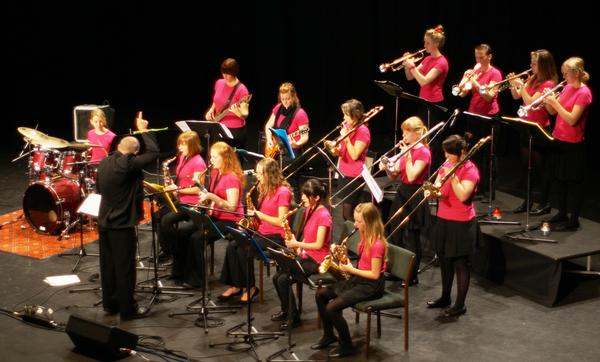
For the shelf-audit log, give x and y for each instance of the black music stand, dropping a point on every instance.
(395, 91)
(532, 130)
(250, 336)
(211, 131)
(207, 306)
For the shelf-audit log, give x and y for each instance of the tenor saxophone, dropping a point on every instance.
(250, 222)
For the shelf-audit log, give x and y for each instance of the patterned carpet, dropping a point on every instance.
(18, 236)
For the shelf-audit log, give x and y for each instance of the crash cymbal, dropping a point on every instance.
(51, 142)
(82, 146)
(32, 134)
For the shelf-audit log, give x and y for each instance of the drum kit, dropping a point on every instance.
(60, 178)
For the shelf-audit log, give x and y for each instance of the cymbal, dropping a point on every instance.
(82, 146)
(51, 142)
(31, 133)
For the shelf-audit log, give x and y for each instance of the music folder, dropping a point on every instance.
(282, 141)
(162, 196)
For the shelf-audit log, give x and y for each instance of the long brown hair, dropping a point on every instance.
(230, 160)
(546, 67)
(374, 229)
(272, 178)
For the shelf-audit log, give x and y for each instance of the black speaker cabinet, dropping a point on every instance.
(81, 119)
(99, 341)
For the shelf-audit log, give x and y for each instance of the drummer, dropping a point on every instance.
(99, 135)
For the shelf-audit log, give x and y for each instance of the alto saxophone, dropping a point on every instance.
(288, 234)
(250, 222)
(167, 180)
(338, 255)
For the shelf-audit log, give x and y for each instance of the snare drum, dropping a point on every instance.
(43, 164)
(48, 207)
(72, 162)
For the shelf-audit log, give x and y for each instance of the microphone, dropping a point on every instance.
(454, 116)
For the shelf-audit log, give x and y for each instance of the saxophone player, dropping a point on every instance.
(274, 198)
(189, 164)
(367, 282)
(316, 236)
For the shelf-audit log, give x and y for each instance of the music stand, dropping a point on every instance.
(207, 306)
(250, 335)
(531, 129)
(395, 91)
(208, 129)
(295, 273)
(90, 206)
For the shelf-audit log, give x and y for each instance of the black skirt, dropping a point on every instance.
(419, 219)
(357, 289)
(455, 238)
(354, 198)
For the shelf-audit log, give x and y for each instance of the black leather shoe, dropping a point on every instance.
(279, 316)
(224, 298)
(541, 210)
(251, 296)
(568, 226)
(324, 343)
(454, 311)
(284, 326)
(109, 311)
(438, 303)
(521, 208)
(558, 218)
(139, 312)
(340, 351)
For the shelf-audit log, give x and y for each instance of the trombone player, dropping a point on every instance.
(352, 152)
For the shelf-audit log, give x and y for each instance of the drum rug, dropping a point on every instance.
(18, 236)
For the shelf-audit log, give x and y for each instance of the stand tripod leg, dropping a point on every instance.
(81, 253)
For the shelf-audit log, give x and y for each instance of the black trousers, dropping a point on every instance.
(117, 269)
(167, 230)
(282, 284)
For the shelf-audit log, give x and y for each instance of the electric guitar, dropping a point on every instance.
(223, 113)
(271, 152)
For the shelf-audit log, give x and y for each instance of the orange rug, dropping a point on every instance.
(21, 238)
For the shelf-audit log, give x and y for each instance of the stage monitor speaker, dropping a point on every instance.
(99, 341)
(81, 119)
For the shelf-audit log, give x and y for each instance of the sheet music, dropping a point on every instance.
(183, 126)
(371, 184)
(91, 205)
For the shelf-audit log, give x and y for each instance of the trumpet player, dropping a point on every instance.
(352, 152)
(411, 171)
(455, 232)
(544, 76)
(568, 155)
(314, 241)
(367, 282)
(482, 74)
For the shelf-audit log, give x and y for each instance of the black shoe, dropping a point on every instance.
(279, 316)
(454, 311)
(568, 226)
(438, 303)
(558, 218)
(341, 351)
(224, 298)
(164, 256)
(522, 208)
(284, 326)
(139, 312)
(110, 311)
(324, 343)
(251, 296)
(541, 210)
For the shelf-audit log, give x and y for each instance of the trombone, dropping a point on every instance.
(538, 103)
(503, 84)
(432, 188)
(332, 145)
(382, 159)
(396, 64)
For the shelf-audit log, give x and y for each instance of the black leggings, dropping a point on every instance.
(461, 266)
(331, 308)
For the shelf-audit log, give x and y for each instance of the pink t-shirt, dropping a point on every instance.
(300, 119)
(185, 172)
(320, 217)
(433, 91)
(478, 104)
(220, 97)
(417, 154)
(219, 185)
(348, 166)
(98, 153)
(270, 206)
(570, 97)
(539, 116)
(377, 251)
(450, 207)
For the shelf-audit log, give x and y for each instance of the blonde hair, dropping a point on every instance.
(374, 229)
(191, 139)
(415, 124)
(230, 160)
(437, 35)
(97, 112)
(576, 65)
(272, 177)
(286, 88)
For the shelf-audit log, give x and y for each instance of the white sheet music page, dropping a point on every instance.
(372, 184)
(91, 205)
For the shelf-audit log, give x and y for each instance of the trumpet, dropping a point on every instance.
(465, 82)
(538, 103)
(396, 64)
(332, 145)
(503, 84)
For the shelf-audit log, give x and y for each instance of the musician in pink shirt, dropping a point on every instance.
(352, 152)
(227, 97)
(571, 107)
(456, 230)
(288, 115)
(99, 135)
(544, 76)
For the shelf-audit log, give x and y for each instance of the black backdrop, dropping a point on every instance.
(164, 58)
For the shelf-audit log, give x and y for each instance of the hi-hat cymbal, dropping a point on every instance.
(51, 142)
(32, 134)
(82, 146)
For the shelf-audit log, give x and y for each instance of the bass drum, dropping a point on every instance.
(49, 207)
